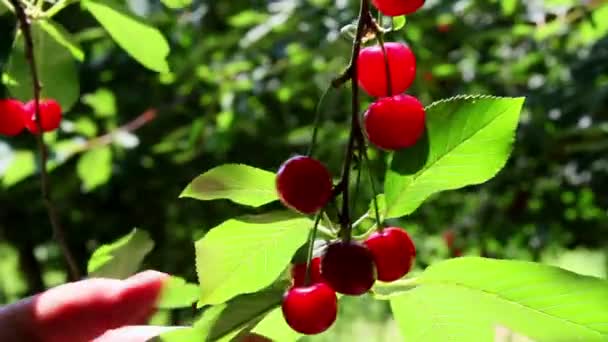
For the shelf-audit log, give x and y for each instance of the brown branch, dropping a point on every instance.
(355, 131)
(58, 232)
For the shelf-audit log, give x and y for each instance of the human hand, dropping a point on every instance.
(100, 310)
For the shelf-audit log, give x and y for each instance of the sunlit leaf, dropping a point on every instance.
(121, 258)
(467, 141)
(247, 254)
(467, 299)
(143, 42)
(239, 183)
(95, 167)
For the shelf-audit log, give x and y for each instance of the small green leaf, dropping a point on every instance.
(63, 37)
(55, 65)
(177, 293)
(239, 183)
(121, 258)
(398, 23)
(22, 165)
(95, 167)
(475, 299)
(467, 141)
(102, 101)
(143, 42)
(177, 4)
(247, 254)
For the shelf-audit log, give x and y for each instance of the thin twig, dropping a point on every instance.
(355, 131)
(58, 232)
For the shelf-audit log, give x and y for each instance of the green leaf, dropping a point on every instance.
(23, 165)
(95, 167)
(225, 321)
(177, 4)
(246, 310)
(468, 140)
(102, 101)
(63, 37)
(239, 183)
(55, 65)
(143, 42)
(275, 328)
(473, 299)
(121, 258)
(398, 23)
(177, 293)
(247, 254)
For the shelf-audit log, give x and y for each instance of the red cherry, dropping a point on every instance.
(393, 252)
(393, 8)
(393, 123)
(50, 115)
(348, 268)
(449, 237)
(12, 117)
(372, 69)
(298, 273)
(310, 309)
(304, 184)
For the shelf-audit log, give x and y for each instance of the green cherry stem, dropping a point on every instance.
(317, 122)
(374, 189)
(311, 247)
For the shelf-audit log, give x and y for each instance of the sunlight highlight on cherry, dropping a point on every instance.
(393, 123)
(304, 184)
(393, 251)
(50, 115)
(310, 309)
(372, 69)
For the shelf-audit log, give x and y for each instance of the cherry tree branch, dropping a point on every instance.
(363, 23)
(58, 231)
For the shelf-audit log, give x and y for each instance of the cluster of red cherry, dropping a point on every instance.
(392, 122)
(16, 116)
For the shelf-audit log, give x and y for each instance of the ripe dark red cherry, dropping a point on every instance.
(393, 252)
(393, 123)
(348, 268)
(298, 273)
(310, 309)
(304, 184)
(372, 69)
(12, 117)
(393, 8)
(50, 115)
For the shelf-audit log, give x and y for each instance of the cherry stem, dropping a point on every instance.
(355, 131)
(317, 122)
(58, 231)
(311, 247)
(373, 185)
(389, 84)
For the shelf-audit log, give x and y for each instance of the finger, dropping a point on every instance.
(83, 310)
(133, 334)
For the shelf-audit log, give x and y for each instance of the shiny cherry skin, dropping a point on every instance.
(298, 272)
(394, 253)
(304, 184)
(50, 115)
(310, 309)
(348, 267)
(394, 8)
(371, 68)
(12, 117)
(393, 123)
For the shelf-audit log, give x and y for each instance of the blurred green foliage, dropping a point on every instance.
(241, 85)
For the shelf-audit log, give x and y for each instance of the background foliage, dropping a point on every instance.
(239, 85)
